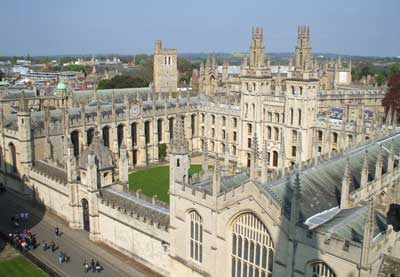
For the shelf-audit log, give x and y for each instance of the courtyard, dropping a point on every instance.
(155, 180)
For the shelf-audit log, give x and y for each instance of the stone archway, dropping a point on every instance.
(85, 214)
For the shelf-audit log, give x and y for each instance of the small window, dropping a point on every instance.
(235, 122)
(178, 164)
(249, 129)
(249, 142)
(294, 151)
(320, 135)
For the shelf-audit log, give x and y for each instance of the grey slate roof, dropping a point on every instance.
(103, 155)
(138, 206)
(321, 184)
(49, 170)
(350, 223)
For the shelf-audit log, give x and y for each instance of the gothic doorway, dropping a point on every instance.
(85, 212)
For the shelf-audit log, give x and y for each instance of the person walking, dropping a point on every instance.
(98, 266)
(45, 245)
(57, 231)
(93, 265)
(85, 266)
(53, 246)
(61, 257)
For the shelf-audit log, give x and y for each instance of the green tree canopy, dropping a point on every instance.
(75, 67)
(123, 81)
(392, 96)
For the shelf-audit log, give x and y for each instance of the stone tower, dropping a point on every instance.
(24, 136)
(179, 161)
(165, 71)
(257, 48)
(255, 78)
(303, 48)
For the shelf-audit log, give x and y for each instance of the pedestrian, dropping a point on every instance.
(33, 241)
(61, 257)
(53, 246)
(98, 266)
(85, 266)
(26, 216)
(93, 265)
(45, 246)
(57, 231)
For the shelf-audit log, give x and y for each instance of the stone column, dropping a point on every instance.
(154, 140)
(141, 143)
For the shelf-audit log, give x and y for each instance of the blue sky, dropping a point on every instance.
(52, 27)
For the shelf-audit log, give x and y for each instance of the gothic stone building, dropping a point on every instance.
(305, 184)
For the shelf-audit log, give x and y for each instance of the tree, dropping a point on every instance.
(75, 67)
(123, 81)
(392, 96)
(185, 77)
(162, 151)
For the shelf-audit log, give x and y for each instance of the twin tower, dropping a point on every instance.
(165, 71)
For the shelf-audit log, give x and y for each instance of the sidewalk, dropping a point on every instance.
(74, 242)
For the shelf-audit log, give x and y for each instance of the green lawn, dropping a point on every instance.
(19, 266)
(155, 181)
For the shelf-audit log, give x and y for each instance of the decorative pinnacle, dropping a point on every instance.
(179, 143)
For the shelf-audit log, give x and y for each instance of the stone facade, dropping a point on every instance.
(165, 68)
(306, 180)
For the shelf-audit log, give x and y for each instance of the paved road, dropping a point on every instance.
(74, 243)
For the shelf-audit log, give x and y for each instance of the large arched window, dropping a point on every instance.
(196, 236)
(252, 248)
(321, 269)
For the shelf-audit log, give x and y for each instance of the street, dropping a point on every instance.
(75, 243)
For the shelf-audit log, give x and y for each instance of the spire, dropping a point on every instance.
(389, 117)
(379, 164)
(346, 183)
(254, 158)
(390, 163)
(179, 144)
(394, 119)
(216, 181)
(364, 171)
(123, 164)
(369, 232)
(264, 168)
(295, 201)
(204, 164)
(23, 103)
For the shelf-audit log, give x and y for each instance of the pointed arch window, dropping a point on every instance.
(252, 248)
(196, 236)
(321, 269)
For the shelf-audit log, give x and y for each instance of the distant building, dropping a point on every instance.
(165, 69)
